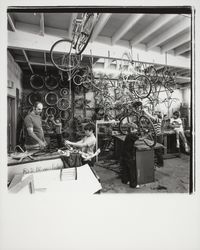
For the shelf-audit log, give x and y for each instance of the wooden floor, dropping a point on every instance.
(174, 177)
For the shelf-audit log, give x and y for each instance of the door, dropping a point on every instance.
(11, 135)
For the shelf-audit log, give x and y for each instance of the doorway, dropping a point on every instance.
(11, 135)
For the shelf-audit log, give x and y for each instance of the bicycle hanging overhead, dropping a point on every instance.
(65, 53)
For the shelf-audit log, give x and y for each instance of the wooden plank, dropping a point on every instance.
(16, 187)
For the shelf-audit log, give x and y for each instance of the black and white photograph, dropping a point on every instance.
(99, 112)
(99, 100)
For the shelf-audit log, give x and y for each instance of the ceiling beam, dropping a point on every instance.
(182, 49)
(45, 61)
(34, 63)
(127, 25)
(175, 70)
(178, 71)
(42, 24)
(100, 24)
(176, 42)
(158, 23)
(172, 31)
(71, 24)
(27, 60)
(11, 22)
(185, 74)
(183, 71)
(24, 40)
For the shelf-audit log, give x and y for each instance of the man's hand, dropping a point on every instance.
(42, 144)
(66, 142)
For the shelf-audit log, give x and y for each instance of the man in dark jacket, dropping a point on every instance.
(128, 158)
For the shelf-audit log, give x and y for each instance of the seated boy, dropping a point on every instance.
(177, 124)
(87, 144)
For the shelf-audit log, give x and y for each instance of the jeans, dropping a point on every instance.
(159, 151)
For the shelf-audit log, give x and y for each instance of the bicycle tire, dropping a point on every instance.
(63, 103)
(34, 97)
(142, 86)
(77, 79)
(36, 81)
(147, 130)
(126, 121)
(65, 115)
(64, 92)
(51, 82)
(85, 35)
(51, 98)
(64, 61)
(50, 111)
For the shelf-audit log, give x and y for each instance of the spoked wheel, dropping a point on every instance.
(147, 131)
(86, 33)
(142, 86)
(127, 121)
(36, 82)
(62, 56)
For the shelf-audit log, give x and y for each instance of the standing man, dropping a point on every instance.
(34, 134)
(128, 167)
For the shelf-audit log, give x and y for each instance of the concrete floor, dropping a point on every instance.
(172, 178)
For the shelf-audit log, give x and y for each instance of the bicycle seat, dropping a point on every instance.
(136, 104)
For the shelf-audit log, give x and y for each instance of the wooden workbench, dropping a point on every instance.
(44, 162)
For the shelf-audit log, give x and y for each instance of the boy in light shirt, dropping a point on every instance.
(177, 124)
(87, 144)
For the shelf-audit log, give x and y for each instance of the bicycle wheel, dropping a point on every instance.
(126, 122)
(62, 56)
(63, 103)
(86, 33)
(50, 111)
(51, 82)
(65, 115)
(142, 86)
(147, 131)
(34, 97)
(36, 82)
(51, 98)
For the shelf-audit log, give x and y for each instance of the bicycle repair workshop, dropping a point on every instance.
(99, 101)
